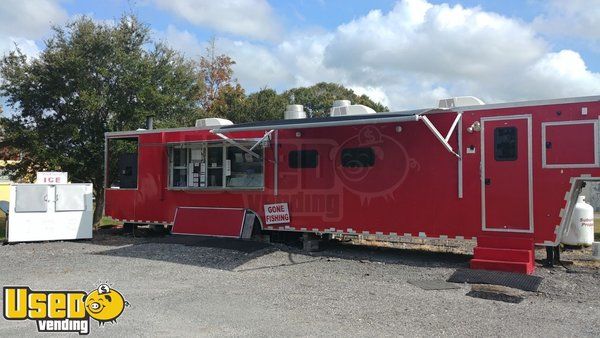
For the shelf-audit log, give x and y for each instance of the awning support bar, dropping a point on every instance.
(232, 142)
(439, 136)
(454, 124)
(267, 134)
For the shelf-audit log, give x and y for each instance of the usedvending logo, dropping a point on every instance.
(63, 311)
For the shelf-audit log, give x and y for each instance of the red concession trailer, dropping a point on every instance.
(507, 175)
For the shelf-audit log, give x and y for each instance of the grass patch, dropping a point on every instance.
(107, 222)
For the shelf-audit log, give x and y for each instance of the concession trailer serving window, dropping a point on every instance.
(215, 165)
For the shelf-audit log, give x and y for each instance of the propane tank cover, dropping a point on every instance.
(581, 227)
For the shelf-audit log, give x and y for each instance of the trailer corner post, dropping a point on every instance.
(105, 169)
(276, 165)
(460, 159)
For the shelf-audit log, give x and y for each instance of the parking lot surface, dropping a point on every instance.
(219, 287)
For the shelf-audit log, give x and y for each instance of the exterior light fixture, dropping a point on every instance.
(475, 127)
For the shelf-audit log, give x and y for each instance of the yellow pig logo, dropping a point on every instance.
(105, 304)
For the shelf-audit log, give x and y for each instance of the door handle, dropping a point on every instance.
(488, 181)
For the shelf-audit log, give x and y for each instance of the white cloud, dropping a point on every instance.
(377, 94)
(561, 74)
(256, 67)
(574, 18)
(22, 22)
(250, 18)
(29, 19)
(181, 40)
(9, 43)
(416, 54)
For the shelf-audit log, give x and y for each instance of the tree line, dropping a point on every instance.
(94, 77)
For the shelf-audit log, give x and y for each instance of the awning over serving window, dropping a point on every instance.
(395, 117)
(318, 122)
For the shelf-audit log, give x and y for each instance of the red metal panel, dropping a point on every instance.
(570, 144)
(506, 181)
(220, 222)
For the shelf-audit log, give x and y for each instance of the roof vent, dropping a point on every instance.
(212, 122)
(344, 108)
(460, 101)
(294, 111)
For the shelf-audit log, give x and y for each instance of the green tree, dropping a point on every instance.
(232, 103)
(317, 99)
(91, 78)
(266, 104)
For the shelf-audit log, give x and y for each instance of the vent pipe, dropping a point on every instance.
(149, 122)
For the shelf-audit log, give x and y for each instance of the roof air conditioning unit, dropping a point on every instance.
(212, 122)
(460, 101)
(344, 108)
(294, 111)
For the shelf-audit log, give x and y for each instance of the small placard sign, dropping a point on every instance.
(51, 177)
(277, 213)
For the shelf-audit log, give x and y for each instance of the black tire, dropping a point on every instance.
(128, 228)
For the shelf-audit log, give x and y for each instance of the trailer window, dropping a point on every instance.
(243, 169)
(358, 157)
(179, 165)
(215, 165)
(303, 158)
(505, 144)
(121, 163)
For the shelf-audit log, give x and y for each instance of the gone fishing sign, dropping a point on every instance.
(63, 311)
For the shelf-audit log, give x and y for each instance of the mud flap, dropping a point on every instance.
(216, 222)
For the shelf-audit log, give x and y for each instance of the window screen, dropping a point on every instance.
(358, 157)
(505, 144)
(303, 159)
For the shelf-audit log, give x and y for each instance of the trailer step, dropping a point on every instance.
(501, 242)
(520, 267)
(512, 255)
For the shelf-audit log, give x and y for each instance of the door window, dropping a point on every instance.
(505, 144)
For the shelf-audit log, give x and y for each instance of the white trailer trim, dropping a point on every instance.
(596, 163)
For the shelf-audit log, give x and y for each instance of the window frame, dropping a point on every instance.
(205, 144)
(107, 139)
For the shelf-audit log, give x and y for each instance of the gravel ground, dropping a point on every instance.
(217, 287)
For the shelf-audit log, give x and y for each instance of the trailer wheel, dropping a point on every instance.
(128, 228)
(157, 228)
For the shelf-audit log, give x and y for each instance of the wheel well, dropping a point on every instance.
(257, 219)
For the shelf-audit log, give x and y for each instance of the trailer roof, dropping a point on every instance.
(402, 116)
(316, 122)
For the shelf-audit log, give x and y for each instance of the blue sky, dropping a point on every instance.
(404, 53)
